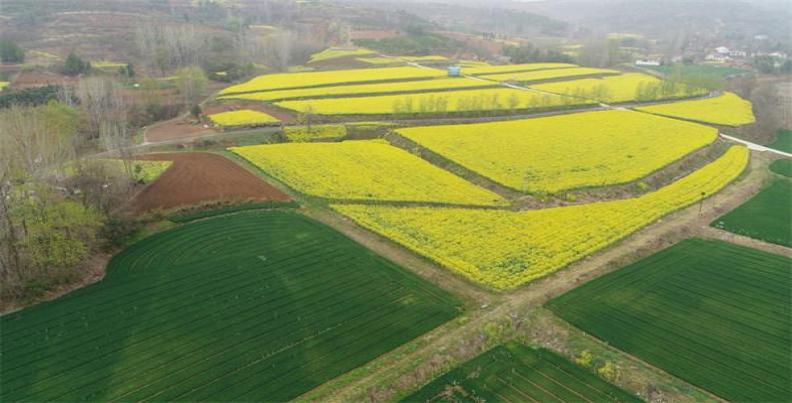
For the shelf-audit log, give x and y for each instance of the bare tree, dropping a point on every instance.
(105, 108)
(169, 46)
(33, 140)
(280, 48)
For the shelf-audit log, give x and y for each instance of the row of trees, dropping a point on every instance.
(651, 91)
(167, 47)
(528, 53)
(54, 203)
(772, 65)
(43, 234)
(10, 52)
(418, 104)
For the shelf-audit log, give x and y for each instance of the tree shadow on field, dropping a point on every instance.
(66, 349)
(250, 306)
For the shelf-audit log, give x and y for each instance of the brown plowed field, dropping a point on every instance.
(176, 129)
(32, 79)
(201, 177)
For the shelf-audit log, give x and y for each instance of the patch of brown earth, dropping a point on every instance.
(32, 79)
(195, 178)
(176, 129)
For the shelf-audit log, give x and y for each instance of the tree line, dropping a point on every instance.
(58, 204)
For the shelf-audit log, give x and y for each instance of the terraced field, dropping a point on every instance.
(513, 372)
(282, 81)
(363, 170)
(380, 61)
(622, 88)
(727, 109)
(245, 117)
(439, 84)
(337, 53)
(482, 70)
(425, 59)
(714, 314)
(539, 75)
(252, 306)
(767, 216)
(300, 134)
(504, 249)
(440, 102)
(565, 152)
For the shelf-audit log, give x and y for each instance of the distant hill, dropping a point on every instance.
(477, 16)
(660, 17)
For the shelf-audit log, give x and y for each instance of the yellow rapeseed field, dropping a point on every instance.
(428, 58)
(335, 53)
(513, 68)
(726, 109)
(398, 86)
(299, 134)
(363, 170)
(243, 117)
(552, 154)
(380, 61)
(622, 88)
(107, 64)
(434, 102)
(281, 81)
(141, 170)
(147, 171)
(472, 64)
(527, 76)
(505, 249)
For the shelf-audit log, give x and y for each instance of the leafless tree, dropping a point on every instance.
(105, 108)
(166, 46)
(279, 50)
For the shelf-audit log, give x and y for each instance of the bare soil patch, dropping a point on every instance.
(200, 177)
(176, 129)
(32, 79)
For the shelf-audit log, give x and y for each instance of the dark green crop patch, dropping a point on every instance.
(250, 306)
(712, 313)
(767, 216)
(782, 167)
(516, 373)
